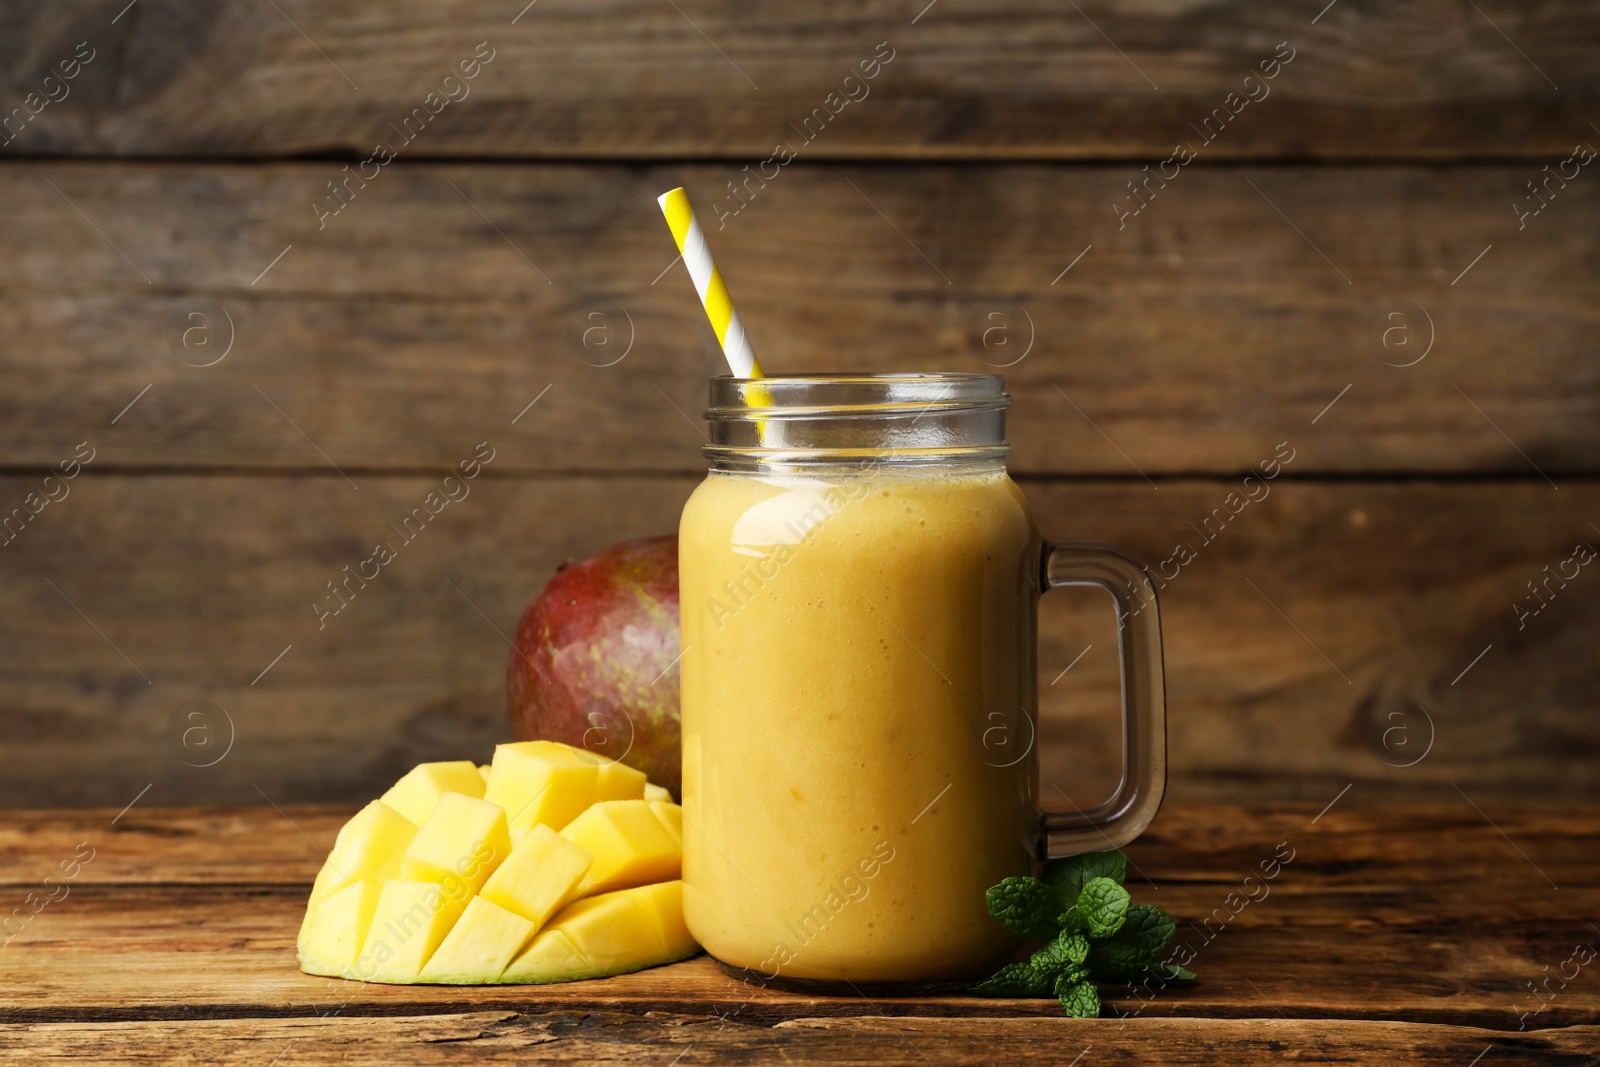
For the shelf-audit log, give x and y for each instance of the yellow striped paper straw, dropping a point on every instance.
(708, 284)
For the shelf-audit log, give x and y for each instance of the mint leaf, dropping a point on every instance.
(1072, 974)
(1068, 875)
(1103, 905)
(1137, 946)
(1065, 952)
(1173, 973)
(1074, 946)
(1025, 906)
(1063, 949)
(1015, 980)
(1080, 999)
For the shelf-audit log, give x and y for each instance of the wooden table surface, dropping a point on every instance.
(1400, 934)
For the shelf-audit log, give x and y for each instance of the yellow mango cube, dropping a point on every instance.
(335, 935)
(663, 903)
(542, 782)
(657, 792)
(479, 945)
(614, 932)
(464, 840)
(416, 793)
(618, 781)
(483, 772)
(671, 817)
(539, 877)
(551, 958)
(411, 919)
(367, 849)
(630, 846)
(611, 932)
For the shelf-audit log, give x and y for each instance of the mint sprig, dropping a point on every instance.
(1092, 932)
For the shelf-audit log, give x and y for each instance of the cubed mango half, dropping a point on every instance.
(551, 864)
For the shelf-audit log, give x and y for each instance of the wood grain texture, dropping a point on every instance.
(1399, 586)
(1422, 911)
(611, 1038)
(1194, 845)
(1356, 864)
(443, 300)
(631, 80)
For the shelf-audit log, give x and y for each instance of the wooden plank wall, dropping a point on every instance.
(1353, 269)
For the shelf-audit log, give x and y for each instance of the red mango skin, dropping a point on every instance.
(594, 663)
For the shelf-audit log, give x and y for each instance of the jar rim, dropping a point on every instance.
(904, 419)
(853, 394)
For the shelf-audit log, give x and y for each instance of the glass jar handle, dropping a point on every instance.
(1144, 702)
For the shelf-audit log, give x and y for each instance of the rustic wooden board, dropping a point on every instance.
(1192, 340)
(1424, 913)
(608, 1038)
(1355, 864)
(1400, 586)
(633, 79)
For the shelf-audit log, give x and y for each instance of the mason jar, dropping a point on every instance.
(859, 581)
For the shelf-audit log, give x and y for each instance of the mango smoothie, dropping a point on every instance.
(858, 713)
